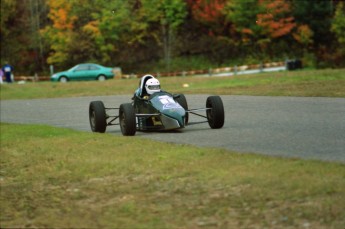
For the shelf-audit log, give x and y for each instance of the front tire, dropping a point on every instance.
(127, 119)
(63, 79)
(181, 99)
(97, 117)
(215, 115)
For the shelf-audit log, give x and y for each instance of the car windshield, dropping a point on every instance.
(73, 68)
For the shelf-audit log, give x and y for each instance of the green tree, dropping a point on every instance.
(134, 33)
(163, 18)
(315, 17)
(244, 16)
(338, 28)
(83, 31)
(108, 26)
(21, 42)
(8, 9)
(338, 24)
(109, 33)
(251, 36)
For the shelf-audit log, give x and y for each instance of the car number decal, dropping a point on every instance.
(168, 102)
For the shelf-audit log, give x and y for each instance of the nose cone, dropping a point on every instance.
(168, 107)
(178, 114)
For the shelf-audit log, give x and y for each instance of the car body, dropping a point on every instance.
(86, 71)
(158, 112)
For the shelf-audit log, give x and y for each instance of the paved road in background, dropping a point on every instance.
(309, 128)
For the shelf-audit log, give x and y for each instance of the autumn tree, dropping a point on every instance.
(244, 16)
(60, 33)
(251, 37)
(277, 24)
(136, 33)
(276, 20)
(207, 11)
(217, 34)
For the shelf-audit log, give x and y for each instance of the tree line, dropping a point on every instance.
(167, 35)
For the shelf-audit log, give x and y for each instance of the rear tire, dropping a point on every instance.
(97, 117)
(215, 115)
(127, 119)
(181, 99)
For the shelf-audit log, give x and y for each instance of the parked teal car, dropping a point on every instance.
(84, 72)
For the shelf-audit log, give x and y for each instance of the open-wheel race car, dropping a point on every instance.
(154, 110)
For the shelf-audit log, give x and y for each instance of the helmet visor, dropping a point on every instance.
(154, 87)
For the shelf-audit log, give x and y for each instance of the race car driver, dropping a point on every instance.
(148, 86)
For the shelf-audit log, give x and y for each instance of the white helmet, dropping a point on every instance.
(152, 86)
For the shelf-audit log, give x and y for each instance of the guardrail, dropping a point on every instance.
(224, 71)
(31, 78)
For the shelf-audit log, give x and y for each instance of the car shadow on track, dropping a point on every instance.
(188, 129)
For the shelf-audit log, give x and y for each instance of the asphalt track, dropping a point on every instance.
(294, 127)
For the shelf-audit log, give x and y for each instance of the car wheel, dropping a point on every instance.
(181, 99)
(63, 79)
(127, 119)
(97, 117)
(101, 78)
(215, 115)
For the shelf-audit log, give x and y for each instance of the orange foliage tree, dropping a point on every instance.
(61, 32)
(277, 20)
(210, 13)
(207, 11)
(217, 35)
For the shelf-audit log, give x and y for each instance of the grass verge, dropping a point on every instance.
(323, 83)
(61, 178)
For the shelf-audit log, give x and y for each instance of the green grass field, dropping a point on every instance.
(324, 83)
(60, 178)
